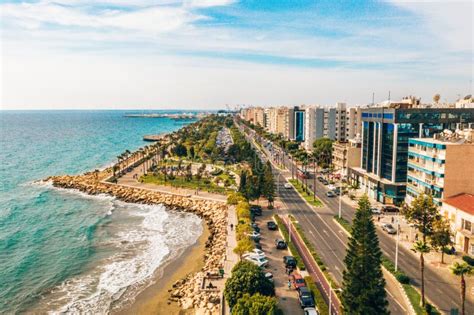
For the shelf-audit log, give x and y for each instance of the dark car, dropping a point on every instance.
(390, 209)
(272, 225)
(325, 182)
(256, 210)
(320, 178)
(305, 297)
(289, 261)
(280, 244)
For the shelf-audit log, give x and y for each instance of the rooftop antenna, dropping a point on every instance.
(389, 96)
(373, 98)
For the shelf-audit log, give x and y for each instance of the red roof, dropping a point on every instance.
(463, 202)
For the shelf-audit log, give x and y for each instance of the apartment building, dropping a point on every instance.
(442, 166)
(385, 137)
(459, 210)
(353, 122)
(346, 155)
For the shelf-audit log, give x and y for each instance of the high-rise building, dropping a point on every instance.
(314, 126)
(353, 122)
(299, 124)
(441, 166)
(385, 137)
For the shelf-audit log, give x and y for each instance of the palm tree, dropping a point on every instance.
(461, 270)
(422, 248)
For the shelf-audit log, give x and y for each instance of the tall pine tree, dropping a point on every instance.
(363, 280)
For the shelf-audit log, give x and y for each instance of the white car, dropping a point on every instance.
(331, 187)
(254, 234)
(287, 186)
(255, 253)
(261, 262)
(310, 311)
(375, 210)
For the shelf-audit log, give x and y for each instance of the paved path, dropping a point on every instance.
(130, 180)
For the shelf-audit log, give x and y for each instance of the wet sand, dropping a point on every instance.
(154, 299)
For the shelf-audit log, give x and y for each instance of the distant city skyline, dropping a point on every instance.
(204, 54)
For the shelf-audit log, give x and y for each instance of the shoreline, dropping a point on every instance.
(156, 299)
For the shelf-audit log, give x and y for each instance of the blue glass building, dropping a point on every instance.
(299, 124)
(385, 137)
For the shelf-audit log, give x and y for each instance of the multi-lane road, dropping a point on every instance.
(330, 242)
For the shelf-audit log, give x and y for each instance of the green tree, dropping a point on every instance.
(243, 183)
(256, 304)
(322, 150)
(423, 213)
(268, 189)
(191, 152)
(246, 278)
(462, 270)
(441, 237)
(363, 282)
(253, 188)
(244, 245)
(180, 150)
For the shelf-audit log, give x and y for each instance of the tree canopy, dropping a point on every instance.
(256, 304)
(322, 151)
(364, 285)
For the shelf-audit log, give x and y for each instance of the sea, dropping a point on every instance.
(62, 251)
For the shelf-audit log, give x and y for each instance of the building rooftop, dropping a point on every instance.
(463, 202)
(448, 137)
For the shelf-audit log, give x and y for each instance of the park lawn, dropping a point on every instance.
(182, 183)
(309, 198)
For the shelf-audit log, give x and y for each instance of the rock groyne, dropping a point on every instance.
(187, 292)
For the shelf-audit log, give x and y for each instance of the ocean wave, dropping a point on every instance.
(142, 249)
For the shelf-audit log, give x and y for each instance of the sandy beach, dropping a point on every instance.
(154, 299)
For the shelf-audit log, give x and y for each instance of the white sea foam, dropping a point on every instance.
(141, 250)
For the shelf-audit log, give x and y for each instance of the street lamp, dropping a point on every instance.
(340, 197)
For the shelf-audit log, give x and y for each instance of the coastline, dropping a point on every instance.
(156, 298)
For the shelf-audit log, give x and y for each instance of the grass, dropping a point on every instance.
(179, 181)
(291, 246)
(412, 293)
(308, 196)
(318, 296)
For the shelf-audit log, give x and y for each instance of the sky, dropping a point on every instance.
(210, 54)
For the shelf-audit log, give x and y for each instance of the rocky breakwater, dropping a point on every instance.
(187, 292)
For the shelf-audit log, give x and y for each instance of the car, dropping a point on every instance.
(310, 311)
(375, 210)
(255, 252)
(272, 225)
(287, 186)
(254, 235)
(280, 244)
(389, 228)
(269, 276)
(289, 261)
(331, 187)
(320, 178)
(305, 297)
(261, 262)
(258, 246)
(337, 190)
(256, 210)
(324, 182)
(297, 281)
(331, 194)
(390, 209)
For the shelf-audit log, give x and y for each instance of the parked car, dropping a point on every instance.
(254, 235)
(320, 178)
(324, 182)
(256, 229)
(287, 186)
(390, 209)
(272, 225)
(255, 252)
(330, 194)
(375, 210)
(289, 261)
(389, 228)
(261, 262)
(256, 210)
(331, 187)
(297, 281)
(337, 190)
(258, 246)
(280, 244)
(311, 311)
(305, 297)
(269, 276)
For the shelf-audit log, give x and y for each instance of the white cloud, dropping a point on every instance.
(209, 3)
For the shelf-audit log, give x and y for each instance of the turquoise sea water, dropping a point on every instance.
(65, 251)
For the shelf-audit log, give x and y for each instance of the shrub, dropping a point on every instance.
(246, 278)
(468, 259)
(402, 278)
(255, 304)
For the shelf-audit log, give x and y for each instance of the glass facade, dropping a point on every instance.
(299, 125)
(405, 132)
(387, 151)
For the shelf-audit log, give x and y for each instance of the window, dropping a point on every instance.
(466, 225)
